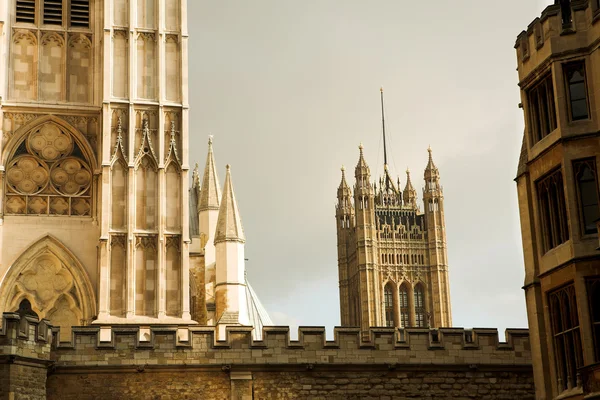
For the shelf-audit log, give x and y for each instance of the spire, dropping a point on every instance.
(229, 223)
(383, 126)
(430, 165)
(361, 167)
(210, 194)
(410, 194)
(343, 184)
(195, 178)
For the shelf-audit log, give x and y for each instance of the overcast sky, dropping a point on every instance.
(290, 88)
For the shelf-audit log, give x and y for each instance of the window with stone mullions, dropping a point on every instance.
(567, 339)
(542, 112)
(53, 10)
(553, 212)
(587, 191)
(576, 90)
(404, 313)
(419, 307)
(593, 290)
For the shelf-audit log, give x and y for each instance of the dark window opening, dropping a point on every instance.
(404, 310)
(53, 12)
(388, 299)
(566, 13)
(587, 190)
(553, 212)
(576, 90)
(419, 307)
(593, 290)
(26, 11)
(567, 339)
(542, 111)
(80, 13)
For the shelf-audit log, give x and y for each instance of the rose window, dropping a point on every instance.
(48, 174)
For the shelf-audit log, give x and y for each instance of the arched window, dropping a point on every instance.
(420, 306)
(388, 300)
(587, 188)
(404, 310)
(593, 286)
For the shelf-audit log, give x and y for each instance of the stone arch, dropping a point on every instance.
(20, 135)
(54, 281)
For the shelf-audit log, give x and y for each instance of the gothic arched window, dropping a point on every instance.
(420, 321)
(48, 174)
(404, 310)
(593, 287)
(587, 189)
(388, 300)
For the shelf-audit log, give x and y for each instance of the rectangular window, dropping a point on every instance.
(542, 112)
(53, 12)
(388, 300)
(593, 290)
(553, 212)
(80, 13)
(567, 339)
(576, 90)
(587, 191)
(404, 313)
(26, 11)
(419, 307)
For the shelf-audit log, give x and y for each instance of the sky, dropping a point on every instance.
(289, 89)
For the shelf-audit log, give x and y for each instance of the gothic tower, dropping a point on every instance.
(392, 258)
(94, 111)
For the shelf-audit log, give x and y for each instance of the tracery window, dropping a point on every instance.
(587, 190)
(553, 212)
(48, 175)
(420, 306)
(567, 339)
(388, 299)
(542, 111)
(404, 310)
(593, 290)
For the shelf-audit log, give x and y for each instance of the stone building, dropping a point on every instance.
(95, 218)
(557, 182)
(392, 258)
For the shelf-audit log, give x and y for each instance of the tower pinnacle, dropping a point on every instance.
(210, 193)
(229, 223)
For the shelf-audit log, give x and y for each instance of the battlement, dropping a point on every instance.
(556, 32)
(25, 337)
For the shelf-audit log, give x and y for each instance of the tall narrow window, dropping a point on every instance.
(587, 190)
(576, 90)
(53, 12)
(80, 13)
(593, 289)
(404, 313)
(420, 306)
(542, 113)
(26, 11)
(567, 339)
(553, 213)
(388, 299)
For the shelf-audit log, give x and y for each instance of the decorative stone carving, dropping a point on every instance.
(71, 176)
(27, 175)
(50, 143)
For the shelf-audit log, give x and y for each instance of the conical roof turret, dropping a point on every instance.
(410, 194)
(362, 169)
(210, 193)
(344, 189)
(229, 222)
(431, 171)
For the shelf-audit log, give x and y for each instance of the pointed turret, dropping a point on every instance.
(410, 194)
(210, 195)
(229, 223)
(431, 171)
(230, 283)
(344, 210)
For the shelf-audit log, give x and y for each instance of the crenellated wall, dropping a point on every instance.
(177, 361)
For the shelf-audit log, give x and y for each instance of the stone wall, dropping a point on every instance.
(131, 362)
